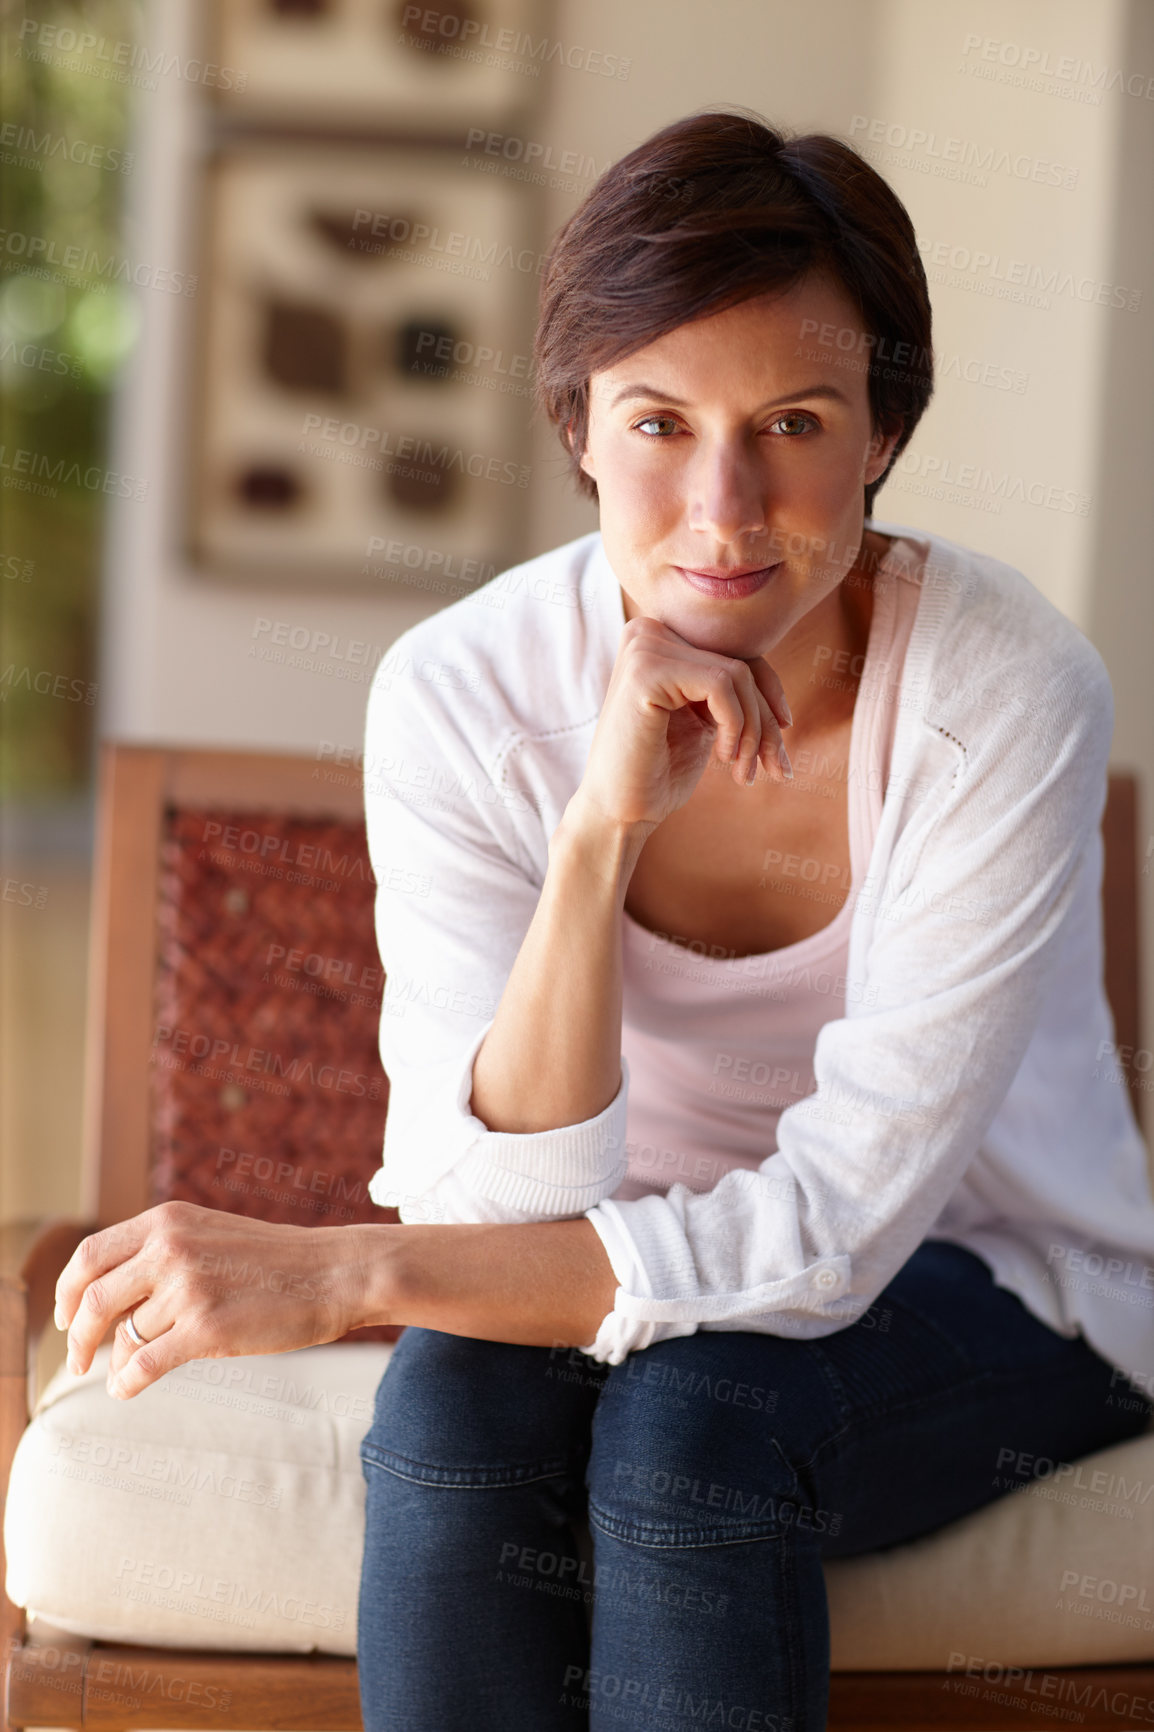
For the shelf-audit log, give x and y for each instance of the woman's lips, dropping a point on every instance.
(728, 588)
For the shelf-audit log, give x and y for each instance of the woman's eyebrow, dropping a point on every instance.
(642, 390)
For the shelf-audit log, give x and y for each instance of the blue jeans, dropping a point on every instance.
(716, 1472)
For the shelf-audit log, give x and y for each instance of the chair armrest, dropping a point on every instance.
(32, 1255)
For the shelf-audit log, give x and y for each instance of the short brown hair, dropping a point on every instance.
(710, 211)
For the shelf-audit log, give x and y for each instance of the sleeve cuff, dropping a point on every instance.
(618, 1334)
(537, 1175)
(549, 1173)
(659, 1295)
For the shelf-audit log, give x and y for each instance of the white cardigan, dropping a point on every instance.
(984, 1107)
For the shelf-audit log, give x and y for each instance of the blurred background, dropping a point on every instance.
(268, 273)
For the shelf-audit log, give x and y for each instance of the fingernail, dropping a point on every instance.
(73, 1364)
(752, 776)
(788, 711)
(786, 766)
(116, 1385)
(58, 1318)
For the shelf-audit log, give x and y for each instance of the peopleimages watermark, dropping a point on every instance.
(243, 1273)
(529, 159)
(567, 1577)
(953, 265)
(684, 1494)
(1135, 1383)
(81, 1672)
(399, 664)
(668, 1166)
(17, 569)
(865, 352)
(629, 1695)
(368, 446)
(464, 37)
(970, 368)
(148, 1470)
(1107, 1590)
(40, 360)
(958, 158)
(226, 1383)
(1126, 1280)
(645, 1373)
(1124, 1065)
(437, 355)
(185, 1049)
(1074, 1483)
(324, 652)
(46, 683)
(210, 1596)
(358, 985)
(314, 1198)
(381, 234)
(23, 894)
(28, 471)
(337, 968)
(839, 1104)
(24, 147)
(1051, 1688)
(977, 484)
(433, 568)
(1067, 71)
(283, 1388)
(409, 779)
(235, 845)
(402, 991)
(82, 264)
(290, 1175)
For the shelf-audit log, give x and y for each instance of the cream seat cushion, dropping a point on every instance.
(224, 1508)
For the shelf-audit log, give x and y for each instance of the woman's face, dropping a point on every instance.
(740, 442)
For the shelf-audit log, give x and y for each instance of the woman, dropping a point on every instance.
(742, 1116)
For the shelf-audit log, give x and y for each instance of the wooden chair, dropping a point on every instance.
(151, 804)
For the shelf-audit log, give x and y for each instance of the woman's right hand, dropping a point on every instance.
(669, 709)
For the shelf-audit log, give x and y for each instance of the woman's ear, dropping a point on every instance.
(583, 461)
(879, 451)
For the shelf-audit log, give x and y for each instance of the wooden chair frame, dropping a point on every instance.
(76, 1683)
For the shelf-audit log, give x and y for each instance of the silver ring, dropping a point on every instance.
(133, 1332)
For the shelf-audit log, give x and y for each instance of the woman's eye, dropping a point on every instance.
(795, 415)
(667, 421)
(793, 423)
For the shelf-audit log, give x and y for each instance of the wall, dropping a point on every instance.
(176, 664)
(176, 647)
(1120, 593)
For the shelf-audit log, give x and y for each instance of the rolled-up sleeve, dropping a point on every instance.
(456, 891)
(965, 927)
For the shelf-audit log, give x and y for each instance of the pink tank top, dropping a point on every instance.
(719, 1046)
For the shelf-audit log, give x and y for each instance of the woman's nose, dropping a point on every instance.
(727, 493)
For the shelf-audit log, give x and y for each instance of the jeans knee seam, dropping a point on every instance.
(669, 1537)
(449, 1478)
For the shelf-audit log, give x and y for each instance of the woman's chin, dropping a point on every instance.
(716, 633)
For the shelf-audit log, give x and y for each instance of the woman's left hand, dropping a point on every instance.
(205, 1284)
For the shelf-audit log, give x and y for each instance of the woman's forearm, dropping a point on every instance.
(553, 1054)
(542, 1284)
